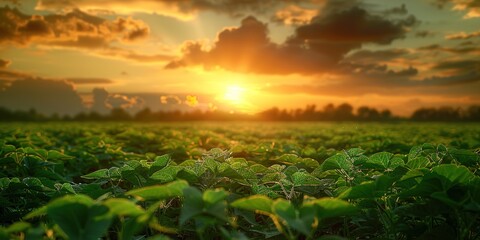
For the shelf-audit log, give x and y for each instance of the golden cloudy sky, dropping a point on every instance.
(238, 55)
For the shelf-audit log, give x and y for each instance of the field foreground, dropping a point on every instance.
(240, 181)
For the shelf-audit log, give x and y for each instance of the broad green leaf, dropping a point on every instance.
(166, 174)
(465, 157)
(192, 205)
(18, 227)
(159, 163)
(454, 173)
(364, 190)
(330, 207)
(123, 207)
(286, 211)
(160, 192)
(289, 158)
(79, 217)
(253, 203)
(99, 174)
(418, 162)
(213, 196)
(381, 159)
(303, 178)
(338, 161)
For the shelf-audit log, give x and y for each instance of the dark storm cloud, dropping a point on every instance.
(45, 96)
(315, 47)
(337, 33)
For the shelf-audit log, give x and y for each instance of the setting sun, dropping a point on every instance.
(234, 94)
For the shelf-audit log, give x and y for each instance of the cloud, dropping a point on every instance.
(315, 47)
(170, 100)
(11, 75)
(100, 96)
(337, 33)
(401, 10)
(104, 102)
(89, 80)
(45, 96)
(370, 56)
(461, 79)
(294, 15)
(248, 49)
(184, 10)
(462, 49)
(462, 35)
(4, 63)
(125, 102)
(471, 7)
(70, 28)
(76, 29)
(424, 34)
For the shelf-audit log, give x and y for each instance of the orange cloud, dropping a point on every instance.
(462, 35)
(184, 10)
(294, 15)
(471, 7)
(78, 30)
(72, 28)
(315, 48)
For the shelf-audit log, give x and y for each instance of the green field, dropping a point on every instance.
(240, 181)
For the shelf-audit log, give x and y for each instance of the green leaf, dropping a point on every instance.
(302, 178)
(99, 174)
(166, 174)
(364, 190)
(213, 196)
(338, 161)
(454, 173)
(192, 204)
(381, 159)
(285, 210)
(79, 217)
(253, 203)
(330, 207)
(159, 163)
(465, 157)
(18, 227)
(215, 203)
(160, 192)
(123, 207)
(418, 162)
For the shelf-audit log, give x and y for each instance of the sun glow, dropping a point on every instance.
(234, 94)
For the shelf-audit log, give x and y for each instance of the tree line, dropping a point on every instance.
(330, 112)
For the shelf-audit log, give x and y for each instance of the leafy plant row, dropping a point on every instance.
(431, 192)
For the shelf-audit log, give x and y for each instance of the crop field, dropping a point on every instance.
(240, 181)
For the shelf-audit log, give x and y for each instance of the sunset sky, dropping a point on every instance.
(238, 55)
